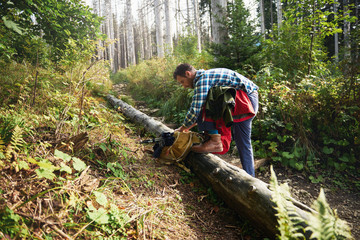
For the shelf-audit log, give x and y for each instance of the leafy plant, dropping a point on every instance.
(289, 222)
(323, 222)
(60, 24)
(326, 224)
(108, 217)
(12, 224)
(78, 164)
(116, 170)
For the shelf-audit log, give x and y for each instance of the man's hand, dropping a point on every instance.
(182, 129)
(185, 129)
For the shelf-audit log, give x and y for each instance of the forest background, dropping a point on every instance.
(59, 58)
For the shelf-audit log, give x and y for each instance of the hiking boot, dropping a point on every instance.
(214, 144)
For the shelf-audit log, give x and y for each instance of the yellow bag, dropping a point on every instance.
(180, 148)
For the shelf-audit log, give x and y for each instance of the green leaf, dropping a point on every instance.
(99, 216)
(299, 166)
(31, 160)
(316, 180)
(78, 164)
(46, 173)
(287, 155)
(273, 146)
(327, 150)
(45, 164)
(62, 155)
(289, 126)
(12, 25)
(103, 147)
(282, 139)
(101, 198)
(65, 168)
(23, 165)
(343, 143)
(344, 158)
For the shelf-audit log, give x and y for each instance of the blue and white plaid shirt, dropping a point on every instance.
(206, 79)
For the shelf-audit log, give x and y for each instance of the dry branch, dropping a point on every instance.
(248, 196)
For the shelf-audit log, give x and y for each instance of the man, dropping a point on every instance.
(202, 81)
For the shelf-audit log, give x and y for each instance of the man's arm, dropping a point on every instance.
(200, 92)
(185, 129)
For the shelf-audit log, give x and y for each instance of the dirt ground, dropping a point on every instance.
(208, 219)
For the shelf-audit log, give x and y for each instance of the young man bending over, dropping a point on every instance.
(202, 81)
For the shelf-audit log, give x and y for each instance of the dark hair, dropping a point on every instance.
(182, 68)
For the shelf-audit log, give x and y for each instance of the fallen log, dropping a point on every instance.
(248, 196)
(150, 124)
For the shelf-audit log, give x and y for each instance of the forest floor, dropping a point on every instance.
(153, 200)
(216, 221)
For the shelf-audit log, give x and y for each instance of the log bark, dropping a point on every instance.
(150, 124)
(248, 196)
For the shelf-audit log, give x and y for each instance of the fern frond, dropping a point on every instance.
(17, 140)
(9, 150)
(326, 224)
(290, 223)
(2, 148)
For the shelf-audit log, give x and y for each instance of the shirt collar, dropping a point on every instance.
(198, 75)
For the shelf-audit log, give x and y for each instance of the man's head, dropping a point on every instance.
(185, 74)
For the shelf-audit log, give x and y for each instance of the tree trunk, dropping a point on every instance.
(271, 16)
(149, 38)
(197, 24)
(112, 37)
(356, 48)
(248, 196)
(346, 31)
(336, 38)
(159, 30)
(130, 34)
(98, 11)
(279, 13)
(188, 19)
(177, 16)
(108, 31)
(312, 33)
(124, 48)
(168, 27)
(218, 8)
(262, 17)
(149, 123)
(116, 45)
(143, 38)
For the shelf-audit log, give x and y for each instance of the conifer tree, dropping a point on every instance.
(241, 42)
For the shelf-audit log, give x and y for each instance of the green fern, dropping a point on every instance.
(323, 223)
(326, 225)
(17, 140)
(290, 224)
(2, 148)
(15, 144)
(2, 151)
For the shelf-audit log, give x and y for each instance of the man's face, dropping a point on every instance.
(186, 82)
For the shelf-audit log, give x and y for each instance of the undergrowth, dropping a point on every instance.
(55, 186)
(72, 168)
(322, 223)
